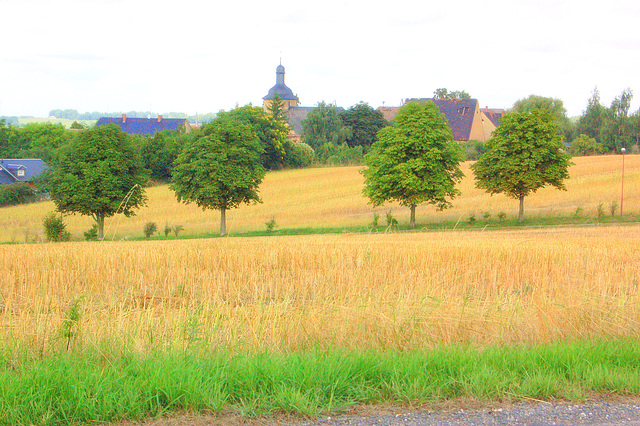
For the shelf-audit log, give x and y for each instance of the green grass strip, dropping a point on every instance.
(94, 386)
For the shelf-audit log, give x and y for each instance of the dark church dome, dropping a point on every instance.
(280, 88)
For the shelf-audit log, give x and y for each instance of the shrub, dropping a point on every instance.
(16, 193)
(376, 219)
(167, 229)
(600, 212)
(271, 225)
(487, 215)
(177, 229)
(472, 218)
(150, 228)
(54, 228)
(391, 221)
(301, 155)
(613, 208)
(502, 216)
(584, 145)
(577, 212)
(92, 234)
(473, 150)
(332, 154)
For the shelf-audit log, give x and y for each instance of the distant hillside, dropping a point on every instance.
(72, 114)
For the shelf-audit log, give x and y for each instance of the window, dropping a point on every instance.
(463, 110)
(21, 172)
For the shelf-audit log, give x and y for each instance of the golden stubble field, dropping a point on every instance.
(379, 291)
(332, 197)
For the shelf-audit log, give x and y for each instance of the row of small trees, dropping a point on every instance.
(99, 173)
(416, 160)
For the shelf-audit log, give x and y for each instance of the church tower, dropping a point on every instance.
(281, 90)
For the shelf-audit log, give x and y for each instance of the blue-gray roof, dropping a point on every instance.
(20, 169)
(144, 126)
(280, 88)
(459, 113)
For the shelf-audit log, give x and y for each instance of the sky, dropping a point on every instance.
(196, 56)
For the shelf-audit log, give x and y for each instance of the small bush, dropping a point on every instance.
(92, 234)
(472, 218)
(391, 221)
(376, 219)
(16, 193)
(301, 155)
(502, 216)
(177, 229)
(613, 208)
(54, 228)
(473, 150)
(335, 155)
(486, 215)
(600, 212)
(167, 229)
(271, 225)
(150, 228)
(577, 212)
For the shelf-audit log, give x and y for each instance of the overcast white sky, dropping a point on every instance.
(203, 56)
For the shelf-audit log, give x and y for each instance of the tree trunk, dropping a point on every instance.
(521, 211)
(223, 222)
(412, 221)
(99, 217)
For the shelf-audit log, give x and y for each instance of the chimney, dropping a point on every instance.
(159, 119)
(486, 109)
(124, 118)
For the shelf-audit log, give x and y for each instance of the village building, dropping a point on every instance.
(465, 117)
(289, 102)
(20, 170)
(146, 126)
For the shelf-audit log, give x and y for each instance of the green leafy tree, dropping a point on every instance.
(414, 161)
(524, 155)
(6, 132)
(617, 132)
(554, 106)
(271, 132)
(221, 168)
(443, 93)
(634, 121)
(323, 125)
(99, 174)
(363, 123)
(276, 108)
(39, 140)
(160, 150)
(584, 145)
(592, 119)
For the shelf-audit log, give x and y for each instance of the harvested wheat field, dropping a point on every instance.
(378, 291)
(332, 197)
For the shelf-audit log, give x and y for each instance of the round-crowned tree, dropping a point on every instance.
(220, 169)
(99, 174)
(523, 155)
(414, 161)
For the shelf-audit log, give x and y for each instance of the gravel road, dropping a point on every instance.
(596, 411)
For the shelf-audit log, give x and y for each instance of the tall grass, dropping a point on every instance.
(105, 386)
(375, 291)
(332, 197)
